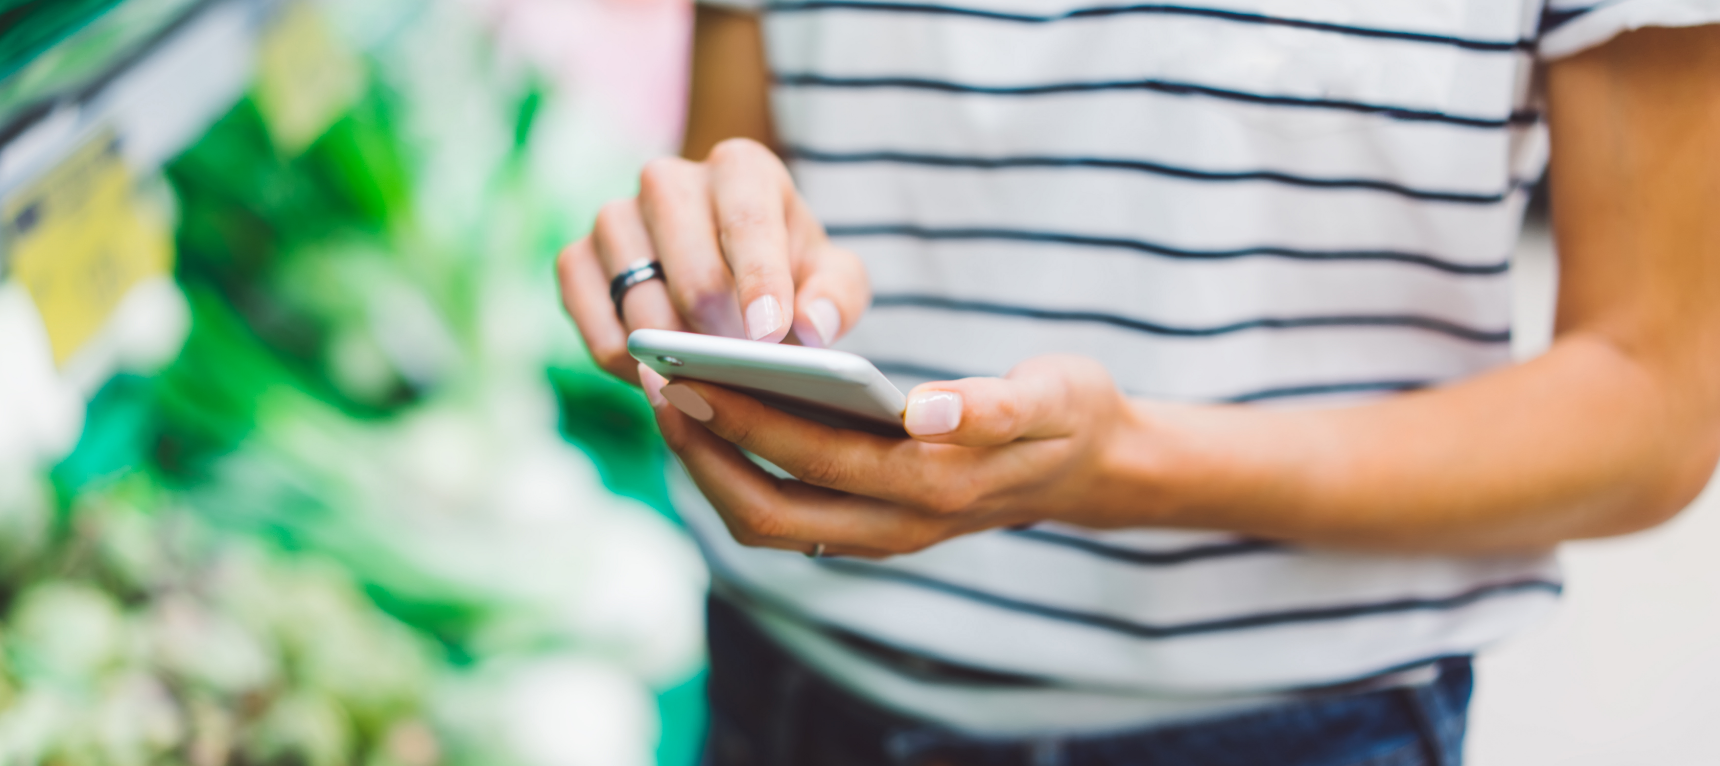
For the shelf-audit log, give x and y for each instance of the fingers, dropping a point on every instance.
(734, 241)
(1042, 398)
(653, 384)
(832, 293)
(622, 243)
(764, 511)
(974, 412)
(927, 477)
(751, 193)
(675, 203)
(585, 294)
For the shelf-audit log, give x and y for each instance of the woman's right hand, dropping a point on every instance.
(741, 254)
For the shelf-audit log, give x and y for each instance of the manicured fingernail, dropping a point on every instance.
(933, 413)
(688, 401)
(653, 385)
(764, 316)
(825, 319)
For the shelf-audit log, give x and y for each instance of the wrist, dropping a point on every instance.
(1187, 466)
(1143, 468)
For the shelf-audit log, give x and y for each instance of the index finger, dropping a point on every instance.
(675, 201)
(750, 191)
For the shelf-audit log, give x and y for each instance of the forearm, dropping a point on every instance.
(1584, 441)
(728, 95)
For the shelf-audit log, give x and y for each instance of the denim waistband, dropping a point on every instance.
(769, 709)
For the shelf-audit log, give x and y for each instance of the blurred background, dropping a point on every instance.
(300, 462)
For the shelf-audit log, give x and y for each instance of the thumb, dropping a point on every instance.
(1037, 400)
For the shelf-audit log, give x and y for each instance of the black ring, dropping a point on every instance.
(630, 279)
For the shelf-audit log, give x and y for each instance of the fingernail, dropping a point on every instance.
(933, 413)
(764, 316)
(653, 385)
(825, 319)
(688, 401)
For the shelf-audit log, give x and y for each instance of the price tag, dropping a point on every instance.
(79, 240)
(306, 78)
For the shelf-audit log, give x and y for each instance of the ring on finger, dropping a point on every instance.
(637, 273)
(817, 551)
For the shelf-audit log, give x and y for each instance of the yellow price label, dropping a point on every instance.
(305, 77)
(79, 241)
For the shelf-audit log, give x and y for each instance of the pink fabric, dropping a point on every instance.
(629, 57)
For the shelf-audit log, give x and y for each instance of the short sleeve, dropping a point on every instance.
(1573, 26)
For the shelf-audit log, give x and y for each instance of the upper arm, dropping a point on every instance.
(729, 95)
(1635, 180)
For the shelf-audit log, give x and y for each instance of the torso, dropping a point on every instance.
(1279, 202)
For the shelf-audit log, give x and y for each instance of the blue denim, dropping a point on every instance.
(768, 709)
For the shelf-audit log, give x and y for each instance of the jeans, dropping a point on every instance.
(768, 709)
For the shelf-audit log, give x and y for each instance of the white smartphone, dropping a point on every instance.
(835, 388)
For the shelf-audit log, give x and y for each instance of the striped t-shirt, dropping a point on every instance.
(1272, 202)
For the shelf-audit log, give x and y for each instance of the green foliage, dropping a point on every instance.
(613, 423)
(141, 637)
(381, 494)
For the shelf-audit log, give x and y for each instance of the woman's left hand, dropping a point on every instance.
(985, 452)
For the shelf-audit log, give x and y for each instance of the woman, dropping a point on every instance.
(1259, 474)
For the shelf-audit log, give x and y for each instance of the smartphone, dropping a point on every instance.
(835, 388)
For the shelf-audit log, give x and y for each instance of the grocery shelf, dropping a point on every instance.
(85, 220)
(156, 91)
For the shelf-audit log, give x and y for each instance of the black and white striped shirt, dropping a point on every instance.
(1282, 202)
